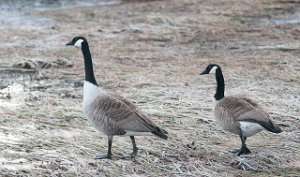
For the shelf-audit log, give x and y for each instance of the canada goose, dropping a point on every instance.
(239, 115)
(110, 113)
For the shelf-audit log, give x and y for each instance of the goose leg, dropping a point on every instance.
(244, 149)
(108, 155)
(236, 150)
(135, 149)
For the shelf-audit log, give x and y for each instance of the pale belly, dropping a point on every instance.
(250, 128)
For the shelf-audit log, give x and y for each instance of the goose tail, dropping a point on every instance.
(160, 133)
(272, 127)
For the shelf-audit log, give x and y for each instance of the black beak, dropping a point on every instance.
(69, 43)
(204, 72)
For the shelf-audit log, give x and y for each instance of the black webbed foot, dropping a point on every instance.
(244, 150)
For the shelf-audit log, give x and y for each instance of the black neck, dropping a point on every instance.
(88, 63)
(220, 85)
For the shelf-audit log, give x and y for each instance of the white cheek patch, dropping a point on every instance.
(78, 43)
(213, 70)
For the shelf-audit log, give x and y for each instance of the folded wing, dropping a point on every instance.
(123, 114)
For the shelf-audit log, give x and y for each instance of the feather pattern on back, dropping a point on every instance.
(114, 115)
(229, 111)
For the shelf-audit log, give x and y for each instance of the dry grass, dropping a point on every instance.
(151, 52)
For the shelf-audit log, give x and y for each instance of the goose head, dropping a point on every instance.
(77, 41)
(211, 69)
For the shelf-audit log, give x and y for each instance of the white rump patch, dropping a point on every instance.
(133, 133)
(213, 70)
(250, 128)
(78, 43)
(90, 92)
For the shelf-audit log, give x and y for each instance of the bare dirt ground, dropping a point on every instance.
(150, 52)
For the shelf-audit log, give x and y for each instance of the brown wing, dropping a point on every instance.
(125, 114)
(237, 109)
(242, 109)
(124, 100)
(255, 113)
(262, 117)
(135, 108)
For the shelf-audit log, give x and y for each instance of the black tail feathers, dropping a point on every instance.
(272, 127)
(160, 133)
